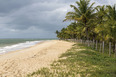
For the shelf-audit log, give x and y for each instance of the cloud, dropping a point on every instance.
(111, 2)
(34, 18)
(46, 17)
(36, 15)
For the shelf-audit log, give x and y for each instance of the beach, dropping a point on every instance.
(22, 62)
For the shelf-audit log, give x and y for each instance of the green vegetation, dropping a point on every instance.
(80, 61)
(91, 23)
(88, 23)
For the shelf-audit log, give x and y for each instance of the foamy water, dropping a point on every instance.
(18, 46)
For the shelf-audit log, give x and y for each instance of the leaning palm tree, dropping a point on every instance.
(84, 13)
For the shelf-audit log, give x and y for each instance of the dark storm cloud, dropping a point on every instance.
(33, 18)
(42, 15)
(7, 6)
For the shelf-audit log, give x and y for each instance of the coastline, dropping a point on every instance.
(22, 62)
(4, 53)
(18, 46)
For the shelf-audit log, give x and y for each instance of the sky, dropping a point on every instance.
(35, 18)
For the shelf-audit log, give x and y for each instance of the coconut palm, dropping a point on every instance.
(112, 19)
(111, 23)
(84, 12)
(63, 34)
(71, 30)
(57, 32)
(100, 28)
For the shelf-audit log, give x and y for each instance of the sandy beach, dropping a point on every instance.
(22, 62)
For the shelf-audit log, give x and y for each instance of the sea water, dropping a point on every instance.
(7, 45)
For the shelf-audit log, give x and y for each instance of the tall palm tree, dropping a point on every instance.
(112, 24)
(84, 12)
(100, 20)
(112, 19)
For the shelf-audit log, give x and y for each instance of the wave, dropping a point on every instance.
(18, 46)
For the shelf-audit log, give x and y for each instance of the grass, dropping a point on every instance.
(80, 61)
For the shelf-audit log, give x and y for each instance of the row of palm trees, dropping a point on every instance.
(88, 23)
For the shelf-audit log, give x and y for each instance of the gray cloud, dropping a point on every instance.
(33, 18)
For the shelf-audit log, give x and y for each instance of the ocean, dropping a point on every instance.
(7, 45)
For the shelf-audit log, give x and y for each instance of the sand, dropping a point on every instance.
(22, 62)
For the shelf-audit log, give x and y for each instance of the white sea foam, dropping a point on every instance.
(18, 46)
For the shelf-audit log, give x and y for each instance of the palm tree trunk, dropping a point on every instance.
(113, 47)
(87, 34)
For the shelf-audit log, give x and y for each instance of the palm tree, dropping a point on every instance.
(71, 30)
(83, 13)
(112, 19)
(57, 32)
(112, 24)
(100, 20)
(63, 34)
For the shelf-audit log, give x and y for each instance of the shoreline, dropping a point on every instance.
(22, 62)
(3, 53)
(23, 49)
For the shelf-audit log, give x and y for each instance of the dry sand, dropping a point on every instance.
(22, 62)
